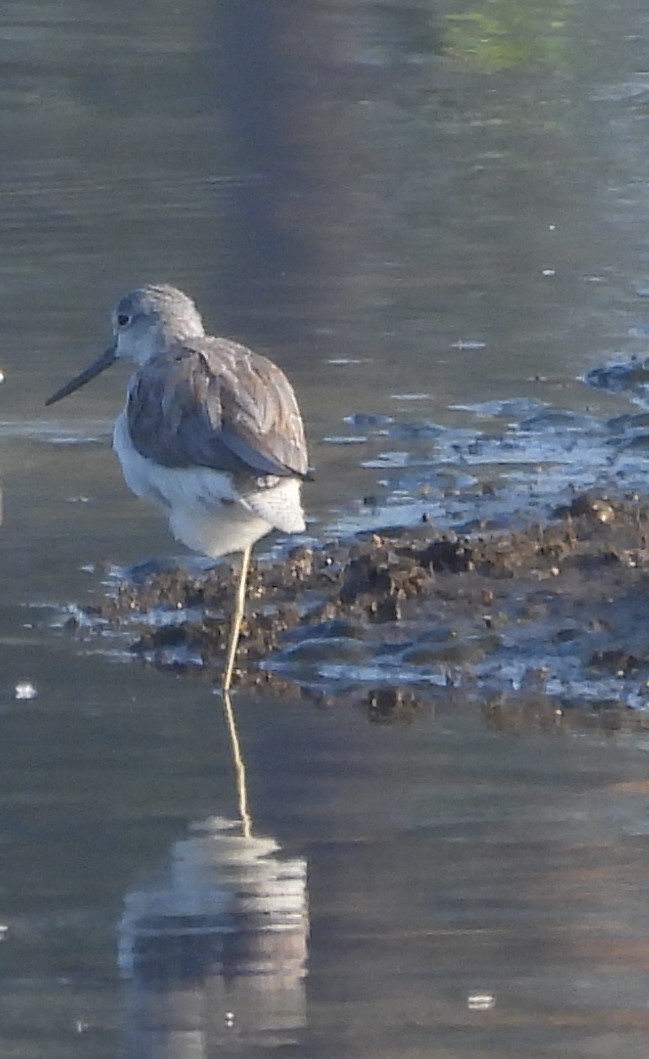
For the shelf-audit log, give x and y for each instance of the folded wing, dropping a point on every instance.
(213, 403)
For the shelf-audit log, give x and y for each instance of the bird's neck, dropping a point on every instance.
(161, 342)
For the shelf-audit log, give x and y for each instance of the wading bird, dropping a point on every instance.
(211, 432)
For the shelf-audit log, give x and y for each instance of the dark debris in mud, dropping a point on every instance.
(529, 622)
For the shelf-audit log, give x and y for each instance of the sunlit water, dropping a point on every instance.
(438, 227)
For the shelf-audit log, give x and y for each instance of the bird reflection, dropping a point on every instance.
(239, 766)
(215, 952)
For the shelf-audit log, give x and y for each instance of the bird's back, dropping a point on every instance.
(209, 402)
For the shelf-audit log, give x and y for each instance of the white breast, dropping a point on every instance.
(204, 509)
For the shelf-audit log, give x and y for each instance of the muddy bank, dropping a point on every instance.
(532, 622)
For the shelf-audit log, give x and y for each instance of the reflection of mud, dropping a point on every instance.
(216, 954)
(556, 610)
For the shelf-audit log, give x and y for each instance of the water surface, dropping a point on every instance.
(423, 218)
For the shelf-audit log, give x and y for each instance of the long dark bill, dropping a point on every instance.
(94, 369)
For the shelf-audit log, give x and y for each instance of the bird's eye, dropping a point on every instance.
(123, 319)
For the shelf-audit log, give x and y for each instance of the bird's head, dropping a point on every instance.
(145, 322)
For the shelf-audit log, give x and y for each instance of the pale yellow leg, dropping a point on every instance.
(237, 618)
(239, 766)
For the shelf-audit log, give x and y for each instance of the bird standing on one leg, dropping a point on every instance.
(211, 432)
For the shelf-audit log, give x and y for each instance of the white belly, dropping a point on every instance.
(205, 512)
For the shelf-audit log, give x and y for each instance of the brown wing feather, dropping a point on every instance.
(213, 403)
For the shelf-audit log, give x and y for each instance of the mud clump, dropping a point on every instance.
(567, 598)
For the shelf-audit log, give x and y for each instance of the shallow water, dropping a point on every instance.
(438, 231)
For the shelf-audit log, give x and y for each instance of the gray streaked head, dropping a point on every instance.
(146, 321)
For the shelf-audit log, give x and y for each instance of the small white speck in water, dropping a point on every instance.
(24, 689)
(480, 1001)
(468, 344)
(348, 360)
(229, 1019)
